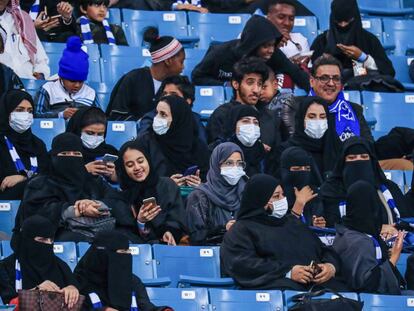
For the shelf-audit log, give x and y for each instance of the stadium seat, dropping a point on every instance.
(353, 96)
(115, 16)
(194, 299)
(374, 302)
(378, 134)
(397, 177)
(6, 249)
(307, 26)
(8, 211)
(134, 31)
(108, 51)
(389, 109)
(94, 69)
(402, 263)
(383, 7)
(47, 129)
(399, 32)
(245, 300)
(82, 249)
(216, 28)
(299, 92)
(189, 65)
(119, 132)
(195, 54)
(373, 25)
(408, 176)
(288, 294)
(53, 47)
(189, 266)
(401, 65)
(321, 9)
(228, 92)
(103, 91)
(207, 99)
(32, 86)
(67, 252)
(113, 68)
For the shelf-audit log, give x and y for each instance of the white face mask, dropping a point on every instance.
(21, 121)
(232, 174)
(91, 141)
(316, 128)
(280, 208)
(160, 125)
(248, 134)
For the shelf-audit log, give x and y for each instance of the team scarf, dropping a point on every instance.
(35, 10)
(346, 122)
(378, 251)
(19, 282)
(87, 34)
(197, 3)
(18, 163)
(97, 304)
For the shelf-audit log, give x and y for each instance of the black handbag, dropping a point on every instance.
(90, 226)
(309, 302)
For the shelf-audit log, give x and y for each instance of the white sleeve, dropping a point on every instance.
(41, 60)
(370, 63)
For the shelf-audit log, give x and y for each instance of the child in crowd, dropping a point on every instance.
(93, 26)
(63, 97)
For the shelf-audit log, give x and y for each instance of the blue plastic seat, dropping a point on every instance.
(397, 177)
(207, 99)
(190, 265)
(189, 65)
(103, 92)
(8, 211)
(82, 248)
(53, 47)
(47, 129)
(288, 294)
(6, 249)
(228, 93)
(67, 252)
(353, 96)
(32, 86)
(113, 68)
(134, 31)
(373, 25)
(115, 16)
(408, 176)
(402, 263)
(321, 9)
(307, 26)
(245, 300)
(401, 65)
(195, 54)
(378, 134)
(108, 51)
(119, 132)
(215, 28)
(399, 32)
(192, 299)
(374, 302)
(383, 7)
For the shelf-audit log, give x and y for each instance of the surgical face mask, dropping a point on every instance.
(21, 121)
(232, 174)
(91, 141)
(280, 208)
(160, 125)
(316, 128)
(248, 134)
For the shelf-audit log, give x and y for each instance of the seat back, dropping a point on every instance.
(307, 26)
(119, 132)
(114, 67)
(401, 65)
(207, 99)
(47, 129)
(374, 302)
(397, 177)
(290, 293)
(8, 211)
(398, 32)
(374, 26)
(194, 299)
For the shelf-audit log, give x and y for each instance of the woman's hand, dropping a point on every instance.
(48, 286)
(169, 238)
(65, 9)
(148, 212)
(11, 181)
(97, 167)
(351, 51)
(327, 273)
(303, 196)
(178, 179)
(229, 224)
(397, 248)
(71, 294)
(193, 180)
(88, 208)
(301, 274)
(388, 231)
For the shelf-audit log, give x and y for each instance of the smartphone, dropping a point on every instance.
(150, 200)
(55, 17)
(109, 158)
(104, 209)
(316, 268)
(191, 170)
(307, 53)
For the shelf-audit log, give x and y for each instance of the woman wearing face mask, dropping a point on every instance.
(67, 191)
(358, 162)
(298, 172)
(154, 209)
(267, 249)
(34, 264)
(366, 264)
(173, 144)
(90, 124)
(212, 207)
(105, 276)
(23, 154)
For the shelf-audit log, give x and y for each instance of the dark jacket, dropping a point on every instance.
(10, 81)
(99, 34)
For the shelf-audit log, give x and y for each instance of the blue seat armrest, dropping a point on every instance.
(386, 12)
(158, 282)
(325, 231)
(206, 281)
(409, 86)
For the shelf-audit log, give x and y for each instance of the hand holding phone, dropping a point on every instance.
(315, 268)
(149, 210)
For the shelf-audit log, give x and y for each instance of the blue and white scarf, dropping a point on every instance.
(193, 2)
(97, 304)
(346, 122)
(18, 163)
(87, 34)
(19, 282)
(378, 251)
(34, 10)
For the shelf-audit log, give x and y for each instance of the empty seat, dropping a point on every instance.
(408, 176)
(353, 96)
(119, 132)
(321, 9)
(290, 293)
(53, 47)
(32, 86)
(402, 263)
(399, 32)
(207, 99)
(103, 92)
(384, 7)
(194, 299)
(245, 300)
(82, 248)
(108, 51)
(8, 211)
(47, 129)
(397, 177)
(114, 16)
(307, 26)
(374, 302)
(374, 26)
(401, 65)
(113, 68)
(6, 249)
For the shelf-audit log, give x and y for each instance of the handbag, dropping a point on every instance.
(39, 300)
(307, 302)
(90, 226)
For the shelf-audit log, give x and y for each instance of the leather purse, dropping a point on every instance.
(39, 300)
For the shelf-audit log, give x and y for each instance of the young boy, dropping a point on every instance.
(63, 97)
(93, 27)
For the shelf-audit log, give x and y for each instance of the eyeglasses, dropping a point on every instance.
(230, 163)
(326, 78)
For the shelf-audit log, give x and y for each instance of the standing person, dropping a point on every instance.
(23, 155)
(135, 93)
(23, 51)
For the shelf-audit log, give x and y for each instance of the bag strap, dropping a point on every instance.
(307, 296)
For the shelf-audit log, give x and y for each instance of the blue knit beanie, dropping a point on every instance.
(74, 64)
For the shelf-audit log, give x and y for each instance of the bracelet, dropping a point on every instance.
(294, 213)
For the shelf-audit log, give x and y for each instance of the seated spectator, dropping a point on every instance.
(22, 154)
(267, 249)
(155, 211)
(33, 265)
(212, 207)
(282, 14)
(134, 93)
(93, 26)
(173, 143)
(365, 263)
(8, 78)
(23, 51)
(63, 97)
(89, 123)
(269, 91)
(246, 134)
(189, 5)
(53, 20)
(259, 38)
(298, 172)
(179, 86)
(358, 162)
(105, 276)
(359, 51)
(67, 192)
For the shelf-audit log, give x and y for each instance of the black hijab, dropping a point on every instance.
(257, 192)
(84, 117)
(38, 262)
(107, 273)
